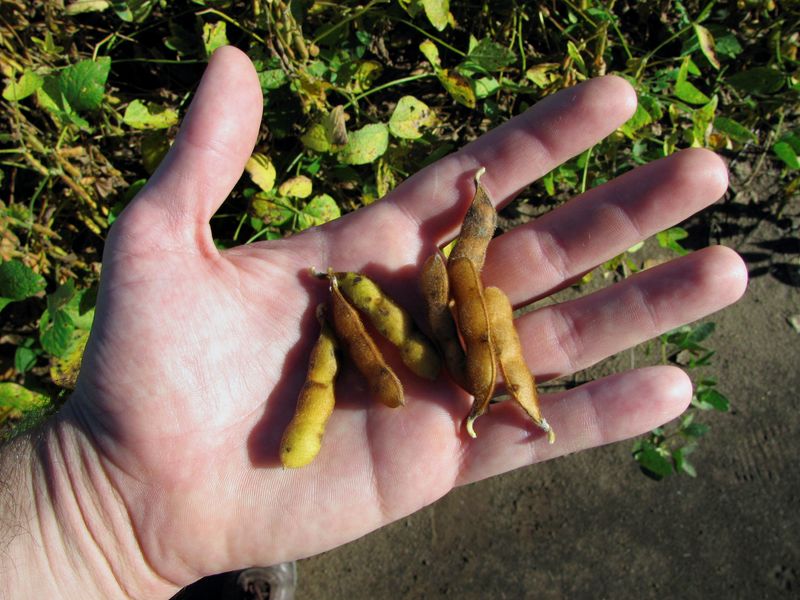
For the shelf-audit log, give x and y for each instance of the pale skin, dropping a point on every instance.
(163, 465)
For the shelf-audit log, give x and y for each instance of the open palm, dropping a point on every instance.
(197, 356)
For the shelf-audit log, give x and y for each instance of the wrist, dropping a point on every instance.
(64, 531)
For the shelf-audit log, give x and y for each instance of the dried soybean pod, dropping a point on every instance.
(303, 436)
(392, 322)
(473, 323)
(362, 350)
(478, 228)
(436, 292)
(519, 380)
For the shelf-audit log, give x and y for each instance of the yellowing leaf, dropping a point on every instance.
(261, 171)
(409, 117)
(706, 41)
(458, 86)
(365, 145)
(149, 116)
(270, 211)
(431, 52)
(319, 210)
(17, 399)
(315, 138)
(155, 145)
(214, 36)
(335, 126)
(438, 12)
(366, 73)
(542, 74)
(83, 6)
(296, 187)
(64, 370)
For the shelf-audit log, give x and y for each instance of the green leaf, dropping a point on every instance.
(438, 12)
(759, 80)
(261, 171)
(315, 138)
(687, 92)
(133, 11)
(272, 79)
(695, 430)
(489, 56)
(486, 86)
(18, 398)
(320, 210)
(365, 145)
(575, 55)
(140, 115)
(733, 129)
(55, 332)
(25, 356)
(669, 238)
(409, 117)
(710, 399)
(84, 6)
(296, 187)
(682, 463)
(18, 281)
(787, 154)
(26, 85)
(706, 41)
(701, 332)
(653, 462)
(214, 36)
(727, 45)
(639, 119)
(82, 85)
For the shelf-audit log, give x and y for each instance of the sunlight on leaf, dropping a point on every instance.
(261, 171)
(214, 36)
(410, 116)
(141, 115)
(296, 187)
(438, 12)
(707, 46)
(26, 85)
(365, 145)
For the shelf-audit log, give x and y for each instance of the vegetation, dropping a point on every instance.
(357, 96)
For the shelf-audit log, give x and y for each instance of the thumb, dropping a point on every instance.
(215, 141)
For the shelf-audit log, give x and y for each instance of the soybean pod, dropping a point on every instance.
(366, 356)
(474, 325)
(392, 322)
(519, 380)
(436, 292)
(302, 439)
(478, 227)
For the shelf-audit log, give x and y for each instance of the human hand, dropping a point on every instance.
(196, 356)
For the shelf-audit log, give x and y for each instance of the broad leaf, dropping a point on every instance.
(134, 11)
(410, 116)
(64, 370)
(18, 281)
(82, 85)
(438, 12)
(706, 41)
(15, 397)
(787, 154)
(669, 238)
(261, 171)
(55, 332)
(140, 115)
(319, 211)
(687, 92)
(653, 462)
(214, 36)
(759, 80)
(269, 210)
(733, 129)
(489, 56)
(431, 52)
(78, 7)
(26, 85)
(458, 86)
(315, 138)
(365, 145)
(296, 187)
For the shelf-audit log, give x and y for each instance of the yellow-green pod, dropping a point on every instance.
(302, 439)
(361, 349)
(473, 323)
(392, 322)
(478, 227)
(519, 380)
(436, 291)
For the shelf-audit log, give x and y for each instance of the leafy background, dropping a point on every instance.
(357, 97)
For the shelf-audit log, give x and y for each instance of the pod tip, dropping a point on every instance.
(545, 426)
(470, 428)
(478, 174)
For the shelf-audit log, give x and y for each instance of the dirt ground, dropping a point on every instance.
(590, 525)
